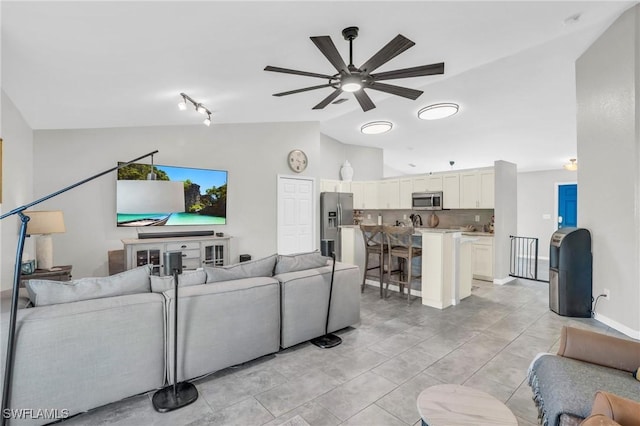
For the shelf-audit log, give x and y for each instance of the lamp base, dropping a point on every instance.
(327, 341)
(165, 400)
(44, 252)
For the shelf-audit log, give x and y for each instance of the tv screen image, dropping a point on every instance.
(202, 201)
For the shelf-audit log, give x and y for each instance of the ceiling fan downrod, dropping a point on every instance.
(349, 34)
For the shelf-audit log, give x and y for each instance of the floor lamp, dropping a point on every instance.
(24, 219)
(328, 340)
(178, 395)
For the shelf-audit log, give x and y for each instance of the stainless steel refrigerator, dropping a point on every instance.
(336, 209)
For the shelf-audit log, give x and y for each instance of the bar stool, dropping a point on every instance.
(400, 242)
(374, 245)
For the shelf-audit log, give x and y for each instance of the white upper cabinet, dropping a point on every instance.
(406, 189)
(370, 195)
(434, 183)
(357, 188)
(389, 194)
(451, 191)
(477, 189)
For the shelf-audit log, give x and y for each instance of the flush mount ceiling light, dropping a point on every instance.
(198, 107)
(376, 127)
(438, 111)
(572, 165)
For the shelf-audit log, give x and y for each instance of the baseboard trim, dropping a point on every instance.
(617, 326)
(503, 281)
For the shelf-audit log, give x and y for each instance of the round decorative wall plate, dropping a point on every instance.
(297, 160)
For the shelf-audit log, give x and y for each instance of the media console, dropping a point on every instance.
(197, 251)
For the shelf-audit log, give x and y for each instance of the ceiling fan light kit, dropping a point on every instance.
(350, 78)
(438, 111)
(376, 127)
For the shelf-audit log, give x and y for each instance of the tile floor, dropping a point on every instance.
(376, 374)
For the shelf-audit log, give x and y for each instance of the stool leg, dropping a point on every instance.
(381, 272)
(366, 267)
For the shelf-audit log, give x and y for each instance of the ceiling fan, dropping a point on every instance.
(352, 79)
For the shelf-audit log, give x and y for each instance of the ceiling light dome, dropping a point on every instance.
(438, 111)
(351, 83)
(376, 127)
(572, 165)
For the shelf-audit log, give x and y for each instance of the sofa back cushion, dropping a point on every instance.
(46, 292)
(188, 278)
(299, 262)
(253, 268)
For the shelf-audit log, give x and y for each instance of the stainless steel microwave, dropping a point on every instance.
(426, 200)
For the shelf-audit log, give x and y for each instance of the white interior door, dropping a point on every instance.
(296, 214)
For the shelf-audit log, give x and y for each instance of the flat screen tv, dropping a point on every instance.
(205, 196)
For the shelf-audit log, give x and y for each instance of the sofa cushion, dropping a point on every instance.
(253, 268)
(46, 292)
(187, 278)
(299, 262)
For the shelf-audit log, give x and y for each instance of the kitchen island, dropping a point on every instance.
(445, 262)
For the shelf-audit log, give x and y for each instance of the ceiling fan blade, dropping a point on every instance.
(364, 100)
(305, 89)
(392, 49)
(419, 71)
(326, 101)
(405, 92)
(329, 50)
(296, 72)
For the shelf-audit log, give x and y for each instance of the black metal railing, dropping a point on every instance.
(524, 258)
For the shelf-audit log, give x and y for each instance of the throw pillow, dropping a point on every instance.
(300, 262)
(45, 292)
(253, 268)
(186, 279)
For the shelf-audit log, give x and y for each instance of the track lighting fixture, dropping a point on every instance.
(198, 107)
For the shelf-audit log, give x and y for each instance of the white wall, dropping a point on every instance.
(608, 80)
(506, 218)
(536, 198)
(253, 154)
(17, 184)
(366, 161)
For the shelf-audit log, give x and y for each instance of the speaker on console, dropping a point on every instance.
(172, 262)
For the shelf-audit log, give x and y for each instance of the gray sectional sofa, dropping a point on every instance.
(78, 349)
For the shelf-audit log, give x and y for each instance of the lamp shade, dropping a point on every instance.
(149, 196)
(45, 222)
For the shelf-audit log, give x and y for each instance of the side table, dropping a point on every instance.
(59, 273)
(456, 405)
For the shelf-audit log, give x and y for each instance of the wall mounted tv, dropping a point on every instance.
(205, 196)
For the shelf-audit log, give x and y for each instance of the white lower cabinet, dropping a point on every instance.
(196, 252)
(483, 258)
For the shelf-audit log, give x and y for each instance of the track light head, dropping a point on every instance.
(198, 107)
(182, 106)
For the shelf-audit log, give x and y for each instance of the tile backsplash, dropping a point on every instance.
(447, 218)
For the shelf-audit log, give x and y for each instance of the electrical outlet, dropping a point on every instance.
(404, 217)
(607, 294)
(477, 218)
(368, 216)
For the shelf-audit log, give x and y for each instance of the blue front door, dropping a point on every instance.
(567, 205)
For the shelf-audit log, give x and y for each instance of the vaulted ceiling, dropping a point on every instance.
(509, 65)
